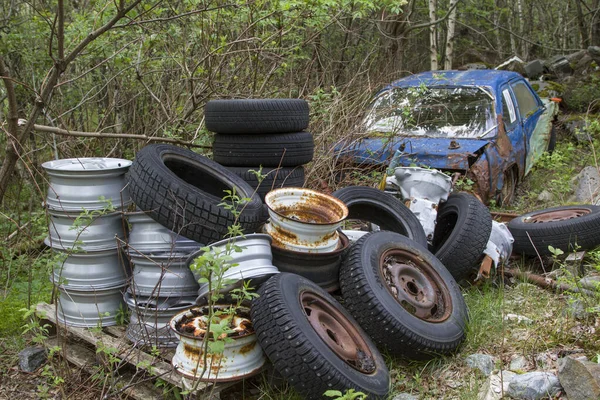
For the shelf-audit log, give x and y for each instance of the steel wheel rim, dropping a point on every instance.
(416, 285)
(338, 333)
(556, 215)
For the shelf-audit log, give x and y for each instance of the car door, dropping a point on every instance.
(513, 127)
(530, 108)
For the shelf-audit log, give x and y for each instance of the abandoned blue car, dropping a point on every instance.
(489, 126)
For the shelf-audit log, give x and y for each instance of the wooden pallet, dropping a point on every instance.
(78, 346)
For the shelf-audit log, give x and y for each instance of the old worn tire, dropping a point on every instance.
(273, 178)
(285, 150)
(567, 228)
(299, 352)
(181, 190)
(383, 209)
(256, 116)
(462, 230)
(427, 315)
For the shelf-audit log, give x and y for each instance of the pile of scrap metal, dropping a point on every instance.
(397, 279)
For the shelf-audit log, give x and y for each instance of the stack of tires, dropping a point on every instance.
(85, 200)
(267, 133)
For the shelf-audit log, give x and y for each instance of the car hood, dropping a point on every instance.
(441, 153)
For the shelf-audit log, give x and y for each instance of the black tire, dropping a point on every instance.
(462, 230)
(306, 359)
(274, 178)
(383, 209)
(256, 116)
(181, 190)
(398, 322)
(285, 150)
(567, 228)
(320, 268)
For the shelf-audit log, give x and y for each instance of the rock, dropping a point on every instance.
(533, 386)
(545, 196)
(591, 282)
(534, 69)
(495, 386)
(483, 362)
(473, 66)
(31, 358)
(594, 52)
(588, 185)
(546, 360)
(518, 363)
(577, 308)
(405, 396)
(579, 378)
(575, 57)
(518, 318)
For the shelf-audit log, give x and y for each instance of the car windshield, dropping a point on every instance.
(437, 112)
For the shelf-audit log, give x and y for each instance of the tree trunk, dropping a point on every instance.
(450, 36)
(584, 40)
(433, 51)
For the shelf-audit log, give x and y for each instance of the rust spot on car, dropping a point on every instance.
(502, 141)
(479, 173)
(247, 348)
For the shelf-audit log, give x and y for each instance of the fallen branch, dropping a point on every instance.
(546, 283)
(64, 132)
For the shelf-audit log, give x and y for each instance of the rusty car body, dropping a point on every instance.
(488, 126)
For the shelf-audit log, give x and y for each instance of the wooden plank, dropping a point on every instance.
(124, 350)
(85, 359)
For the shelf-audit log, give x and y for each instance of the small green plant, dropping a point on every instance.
(349, 394)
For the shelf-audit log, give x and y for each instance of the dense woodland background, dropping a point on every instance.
(133, 67)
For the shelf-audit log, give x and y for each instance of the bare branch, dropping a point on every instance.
(104, 135)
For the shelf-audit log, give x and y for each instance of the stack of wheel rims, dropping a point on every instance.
(85, 200)
(162, 285)
(267, 133)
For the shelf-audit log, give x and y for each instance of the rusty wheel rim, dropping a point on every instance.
(338, 333)
(556, 215)
(416, 285)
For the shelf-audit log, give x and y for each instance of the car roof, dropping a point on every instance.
(474, 77)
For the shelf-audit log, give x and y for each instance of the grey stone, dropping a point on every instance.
(594, 52)
(575, 57)
(591, 282)
(473, 66)
(577, 308)
(546, 360)
(31, 358)
(560, 65)
(517, 318)
(534, 69)
(588, 185)
(518, 363)
(533, 386)
(405, 396)
(580, 378)
(545, 196)
(483, 362)
(495, 386)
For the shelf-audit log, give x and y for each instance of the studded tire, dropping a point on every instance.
(312, 364)
(462, 230)
(182, 190)
(382, 209)
(403, 296)
(566, 228)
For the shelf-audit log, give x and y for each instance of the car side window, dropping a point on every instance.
(526, 102)
(509, 114)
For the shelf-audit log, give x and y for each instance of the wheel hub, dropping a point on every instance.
(416, 286)
(338, 333)
(556, 215)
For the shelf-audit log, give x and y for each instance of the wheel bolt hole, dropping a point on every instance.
(332, 336)
(412, 288)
